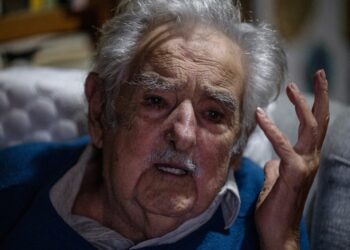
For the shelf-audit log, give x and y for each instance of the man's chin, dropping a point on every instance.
(166, 195)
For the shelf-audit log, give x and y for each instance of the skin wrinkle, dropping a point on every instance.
(161, 34)
(171, 31)
(169, 57)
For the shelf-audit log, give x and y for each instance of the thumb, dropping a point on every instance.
(271, 172)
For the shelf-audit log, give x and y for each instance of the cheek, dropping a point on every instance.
(213, 159)
(215, 148)
(127, 157)
(137, 137)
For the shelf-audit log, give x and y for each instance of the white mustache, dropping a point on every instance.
(171, 156)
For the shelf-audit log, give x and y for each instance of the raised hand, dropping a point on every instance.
(288, 180)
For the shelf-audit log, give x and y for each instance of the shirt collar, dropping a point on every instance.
(231, 201)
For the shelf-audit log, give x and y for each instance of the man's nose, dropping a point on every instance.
(183, 127)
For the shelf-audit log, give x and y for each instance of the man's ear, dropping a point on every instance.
(94, 97)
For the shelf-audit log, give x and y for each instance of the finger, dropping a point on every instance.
(279, 142)
(320, 107)
(271, 173)
(308, 129)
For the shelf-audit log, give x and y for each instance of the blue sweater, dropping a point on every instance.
(29, 221)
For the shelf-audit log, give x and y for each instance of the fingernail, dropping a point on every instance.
(323, 75)
(324, 78)
(260, 111)
(293, 86)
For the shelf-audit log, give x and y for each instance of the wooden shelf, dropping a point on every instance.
(25, 24)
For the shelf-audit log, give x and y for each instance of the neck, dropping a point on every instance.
(88, 201)
(139, 225)
(133, 223)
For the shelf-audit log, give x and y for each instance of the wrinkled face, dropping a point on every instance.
(178, 119)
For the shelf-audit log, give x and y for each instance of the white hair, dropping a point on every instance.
(264, 57)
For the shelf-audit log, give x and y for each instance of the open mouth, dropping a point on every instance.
(172, 170)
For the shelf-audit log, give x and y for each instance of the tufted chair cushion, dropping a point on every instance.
(41, 104)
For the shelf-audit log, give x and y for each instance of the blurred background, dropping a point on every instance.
(63, 33)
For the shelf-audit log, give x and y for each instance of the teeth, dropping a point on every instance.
(175, 171)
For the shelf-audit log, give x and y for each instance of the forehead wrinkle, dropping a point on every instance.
(221, 96)
(230, 70)
(173, 64)
(195, 57)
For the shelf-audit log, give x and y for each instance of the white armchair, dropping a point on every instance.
(41, 104)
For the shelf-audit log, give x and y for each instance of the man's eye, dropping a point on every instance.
(154, 101)
(214, 116)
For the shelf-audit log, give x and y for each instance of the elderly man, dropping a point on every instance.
(174, 95)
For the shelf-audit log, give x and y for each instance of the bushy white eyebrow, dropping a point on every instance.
(152, 81)
(224, 97)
